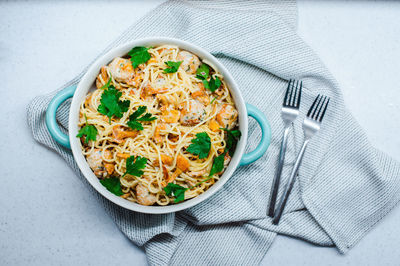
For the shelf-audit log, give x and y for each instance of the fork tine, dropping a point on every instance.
(293, 100)
(323, 112)
(291, 93)
(287, 93)
(299, 95)
(312, 106)
(317, 107)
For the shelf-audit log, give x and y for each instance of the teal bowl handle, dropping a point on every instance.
(265, 138)
(51, 121)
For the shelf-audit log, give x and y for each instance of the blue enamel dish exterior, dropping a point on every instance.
(51, 121)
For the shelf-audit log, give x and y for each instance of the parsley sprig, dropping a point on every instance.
(134, 165)
(232, 138)
(175, 190)
(200, 146)
(172, 66)
(203, 73)
(113, 185)
(135, 119)
(139, 55)
(218, 164)
(213, 84)
(110, 105)
(89, 131)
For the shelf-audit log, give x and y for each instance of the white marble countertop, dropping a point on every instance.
(48, 218)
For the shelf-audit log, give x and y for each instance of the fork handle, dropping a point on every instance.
(277, 178)
(290, 184)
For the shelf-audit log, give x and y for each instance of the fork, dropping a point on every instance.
(311, 125)
(290, 111)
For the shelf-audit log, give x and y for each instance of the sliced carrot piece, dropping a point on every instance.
(213, 125)
(182, 163)
(167, 159)
(123, 155)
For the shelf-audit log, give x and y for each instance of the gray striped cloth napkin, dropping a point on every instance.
(345, 186)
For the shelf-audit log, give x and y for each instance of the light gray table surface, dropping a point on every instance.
(47, 216)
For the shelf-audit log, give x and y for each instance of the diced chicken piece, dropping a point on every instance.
(144, 197)
(201, 95)
(137, 80)
(190, 62)
(96, 163)
(157, 87)
(121, 70)
(192, 113)
(160, 82)
(227, 116)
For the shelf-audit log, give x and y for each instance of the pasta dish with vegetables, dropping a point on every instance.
(160, 127)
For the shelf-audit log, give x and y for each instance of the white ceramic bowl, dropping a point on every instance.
(87, 83)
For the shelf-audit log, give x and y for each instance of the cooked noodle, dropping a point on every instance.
(175, 100)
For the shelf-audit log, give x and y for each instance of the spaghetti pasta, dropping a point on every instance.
(179, 104)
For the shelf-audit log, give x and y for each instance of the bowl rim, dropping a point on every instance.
(87, 83)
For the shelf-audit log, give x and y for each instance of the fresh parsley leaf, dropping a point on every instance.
(111, 105)
(203, 72)
(89, 131)
(172, 66)
(175, 190)
(147, 117)
(105, 86)
(139, 55)
(200, 146)
(134, 165)
(206, 84)
(113, 185)
(135, 125)
(141, 109)
(218, 164)
(232, 138)
(214, 84)
(134, 118)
